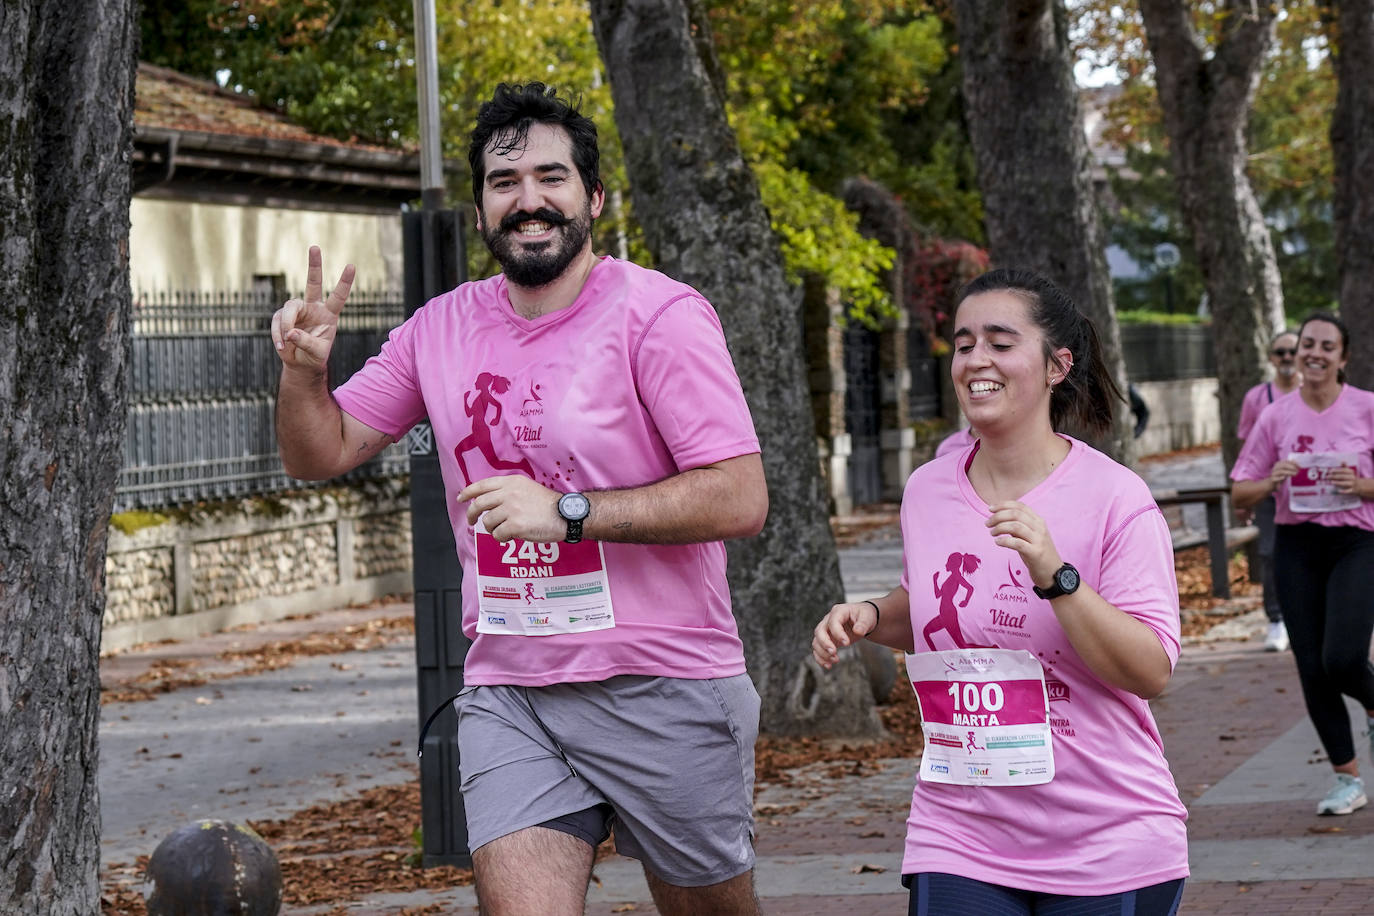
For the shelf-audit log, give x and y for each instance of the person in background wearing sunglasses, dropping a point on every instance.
(1283, 356)
(1314, 452)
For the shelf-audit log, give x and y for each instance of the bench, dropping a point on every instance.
(1220, 540)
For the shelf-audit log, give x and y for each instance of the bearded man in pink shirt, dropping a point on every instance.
(596, 449)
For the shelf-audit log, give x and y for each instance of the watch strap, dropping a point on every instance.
(1055, 589)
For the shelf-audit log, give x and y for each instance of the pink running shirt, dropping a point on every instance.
(1111, 819)
(1253, 404)
(956, 441)
(630, 384)
(1289, 425)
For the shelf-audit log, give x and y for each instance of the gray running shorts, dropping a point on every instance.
(674, 758)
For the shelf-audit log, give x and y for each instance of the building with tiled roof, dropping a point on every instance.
(228, 194)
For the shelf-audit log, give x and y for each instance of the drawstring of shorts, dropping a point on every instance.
(447, 704)
(558, 747)
(420, 750)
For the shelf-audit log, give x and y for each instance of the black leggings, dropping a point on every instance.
(1325, 578)
(936, 894)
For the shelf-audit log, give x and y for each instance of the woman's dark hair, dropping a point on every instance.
(504, 122)
(1339, 325)
(1087, 396)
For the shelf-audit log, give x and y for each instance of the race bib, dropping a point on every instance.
(985, 714)
(1310, 490)
(529, 589)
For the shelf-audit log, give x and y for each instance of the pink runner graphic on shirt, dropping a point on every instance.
(487, 385)
(947, 617)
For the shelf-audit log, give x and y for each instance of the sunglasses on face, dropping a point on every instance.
(1281, 352)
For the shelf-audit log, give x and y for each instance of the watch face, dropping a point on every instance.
(573, 506)
(1068, 579)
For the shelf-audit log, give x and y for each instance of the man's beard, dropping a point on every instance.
(536, 266)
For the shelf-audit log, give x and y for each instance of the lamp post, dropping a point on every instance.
(434, 263)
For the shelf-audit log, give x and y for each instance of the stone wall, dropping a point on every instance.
(1183, 413)
(262, 558)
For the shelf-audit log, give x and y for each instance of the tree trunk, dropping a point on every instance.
(1034, 166)
(699, 206)
(1206, 103)
(66, 106)
(1352, 147)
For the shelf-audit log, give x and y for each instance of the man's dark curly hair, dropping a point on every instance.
(504, 125)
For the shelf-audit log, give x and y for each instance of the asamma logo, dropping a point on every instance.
(938, 768)
(1014, 590)
(493, 618)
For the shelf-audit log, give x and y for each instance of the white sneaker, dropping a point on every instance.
(1277, 638)
(1346, 796)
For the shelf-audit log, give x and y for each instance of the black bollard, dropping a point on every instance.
(213, 868)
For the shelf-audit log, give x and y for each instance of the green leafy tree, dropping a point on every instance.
(817, 92)
(1289, 163)
(823, 91)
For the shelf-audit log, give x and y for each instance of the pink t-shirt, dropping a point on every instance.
(630, 384)
(1254, 402)
(1110, 820)
(956, 441)
(1289, 425)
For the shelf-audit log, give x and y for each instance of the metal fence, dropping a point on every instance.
(203, 377)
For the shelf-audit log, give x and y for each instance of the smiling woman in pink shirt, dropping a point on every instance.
(1313, 451)
(1043, 786)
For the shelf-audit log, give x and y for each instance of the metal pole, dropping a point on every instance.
(434, 264)
(427, 84)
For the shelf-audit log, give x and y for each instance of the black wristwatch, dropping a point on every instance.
(574, 508)
(1065, 582)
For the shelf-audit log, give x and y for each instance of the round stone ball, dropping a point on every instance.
(213, 868)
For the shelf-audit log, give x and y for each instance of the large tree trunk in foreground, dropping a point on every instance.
(66, 104)
(1206, 103)
(699, 206)
(1352, 146)
(1034, 166)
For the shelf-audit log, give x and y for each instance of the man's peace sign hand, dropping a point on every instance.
(303, 330)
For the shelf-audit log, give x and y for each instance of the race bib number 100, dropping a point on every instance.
(531, 589)
(985, 714)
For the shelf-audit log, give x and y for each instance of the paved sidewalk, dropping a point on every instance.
(1246, 761)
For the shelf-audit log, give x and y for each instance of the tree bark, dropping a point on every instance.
(1206, 104)
(66, 107)
(1034, 166)
(699, 206)
(1352, 147)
